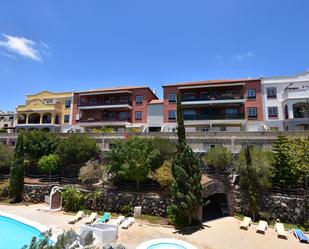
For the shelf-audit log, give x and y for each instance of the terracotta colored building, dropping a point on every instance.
(215, 105)
(119, 108)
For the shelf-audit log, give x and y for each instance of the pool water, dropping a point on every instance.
(14, 234)
(166, 246)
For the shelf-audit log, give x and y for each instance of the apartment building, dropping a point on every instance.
(286, 102)
(119, 108)
(7, 120)
(46, 110)
(215, 105)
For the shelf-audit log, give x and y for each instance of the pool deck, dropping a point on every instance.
(217, 234)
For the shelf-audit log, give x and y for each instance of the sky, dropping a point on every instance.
(72, 45)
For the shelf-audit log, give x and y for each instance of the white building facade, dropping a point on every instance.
(286, 102)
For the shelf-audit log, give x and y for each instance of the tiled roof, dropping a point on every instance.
(156, 101)
(205, 82)
(117, 88)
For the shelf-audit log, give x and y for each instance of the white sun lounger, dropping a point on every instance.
(91, 218)
(77, 217)
(262, 226)
(127, 223)
(279, 227)
(245, 223)
(120, 219)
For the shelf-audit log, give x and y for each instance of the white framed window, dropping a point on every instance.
(139, 99)
(67, 103)
(66, 118)
(251, 94)
(138, 115)
(271, 92)
(172, 97)
(252, 112)
(172, 115)
(273, 111)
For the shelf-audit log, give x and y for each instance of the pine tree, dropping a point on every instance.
(187, 189)
(283, 174)
(17, 171)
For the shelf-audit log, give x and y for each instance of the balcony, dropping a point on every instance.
(214, 117)
(302, 93)
(104, 104)
(104, 121)
(217, 99)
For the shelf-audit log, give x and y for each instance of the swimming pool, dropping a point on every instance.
(14, 234)
(165, 244)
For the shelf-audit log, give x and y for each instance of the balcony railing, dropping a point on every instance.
(105, 120)
(214, 117)
(104, 102)
(217, 97)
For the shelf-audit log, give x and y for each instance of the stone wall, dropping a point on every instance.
(36, 193)
(114, 201)
(289, 208)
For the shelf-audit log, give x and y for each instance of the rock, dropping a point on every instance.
(86, 238)
(114, 246)
(107, 246)
(71, 237)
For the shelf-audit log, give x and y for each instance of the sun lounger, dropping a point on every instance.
(262, 226)
(127, 223)
(104, 218)
(77, 217)
(300, 236)
(120, 219)
(245, 223)
(131, 219)
(91, 218)
(280, 230)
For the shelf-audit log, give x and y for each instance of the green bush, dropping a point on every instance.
(4, 189)
(6, 157)
(127, 209)
(164, 176)
(49, 163)
(72, 199)
(219, 157)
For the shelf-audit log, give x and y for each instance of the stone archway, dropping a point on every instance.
(218, 200)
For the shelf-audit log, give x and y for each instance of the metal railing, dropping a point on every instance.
(213, 117)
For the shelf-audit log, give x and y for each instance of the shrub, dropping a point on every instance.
(72, 199)
(164, 175)
(4, 189)
(49, 163)
(219, 157)
(6, 157)
(127, 209)
(93, 172)
(2, 130)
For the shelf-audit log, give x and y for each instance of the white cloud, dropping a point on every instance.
(21, 46)
(241, 57)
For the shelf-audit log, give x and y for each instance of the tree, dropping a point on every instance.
(132, 159)
(219, 157)
(17, 170)
(72, 198)
(187, 189)
(284, 174)
(50, 163)
(6, 157)
(38, 144)
(255, 170)
(164, 176)
(166, 150)
(77, 149)
(93, 172)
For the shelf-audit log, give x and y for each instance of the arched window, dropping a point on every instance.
(34, 118)
(22, 119)
(57, 119)
(46, 119)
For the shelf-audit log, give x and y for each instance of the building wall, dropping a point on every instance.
(257, 102)
(166, 105)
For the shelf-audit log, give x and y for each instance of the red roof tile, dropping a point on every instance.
(205, 82)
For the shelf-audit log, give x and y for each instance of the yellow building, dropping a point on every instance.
(46, 110)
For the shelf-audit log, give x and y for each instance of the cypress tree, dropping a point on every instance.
(282, 167)
(17, 171)
(187, 188)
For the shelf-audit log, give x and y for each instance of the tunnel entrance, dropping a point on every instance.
(216, 207)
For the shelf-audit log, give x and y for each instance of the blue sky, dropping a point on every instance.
(75, 45)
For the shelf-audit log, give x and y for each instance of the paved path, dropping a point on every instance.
(223, 233)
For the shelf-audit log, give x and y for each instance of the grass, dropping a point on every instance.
(287, 226)
(152, 219)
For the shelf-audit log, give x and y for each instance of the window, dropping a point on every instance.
(273, 111)
(67, 103)
(231, 111)
(171, 97)
(138, 115)
(172, 115)
(139, 99)
(123, 115)
(124, 99)
(204, 95)
(251, 94)
(188, 96)
(66, 118)
(252, 112)
(271, 92)
(111, 115)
